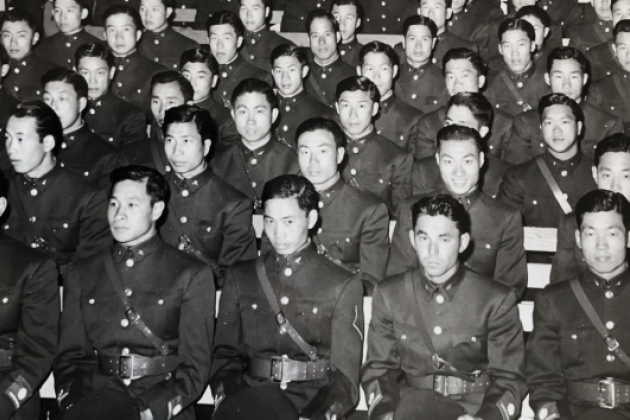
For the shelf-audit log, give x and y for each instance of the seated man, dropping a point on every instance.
(576, 362)
(138, 318)
(602, 57)
(349, 15)
(207, 217)
(454, 336)
(587, 35)
(315, 367)
(354, 225)
(259, 156)
(548, 186)
(497, 230)
(113, 119)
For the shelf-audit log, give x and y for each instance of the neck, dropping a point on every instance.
(74, 31)
(161, 28)
(253, 145)
(231, 60)
(418, 64)
(328, 183)
(441, 30)
(327, 61)
(466, 194)
(566, 155)
(349, 39)
(529, 66)
(145, 237)
(202, 99)
(386, 95)
(295, 94)
(361, 135)
(47, 165)
(194, 172)
(260, 28)
(443, 278)
(74, 127)
(614, 273)
(127, 54)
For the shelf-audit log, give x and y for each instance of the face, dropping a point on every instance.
(224, 43)
(319, 156)
(461, 76)
(461, 115)
(458, 5)
(460, 163)
(356, 111)
(26, 151)
(539, 29)
(418, 44)
(63, 99)
(378, 68)
(164, 97)
(253, 14)
(185, 149)
(97, 74)
(288, 75)
(253, 117)
(201, 79)
(602, 9)
(613, 173)
(348, 20)
(287, 225)
(560, 130)
(620, 11)
(121, 34)
(516, 49)
(154, 14)
(68, 15)
(130, 214)
(436, 10)
(518, 4)
(18, 39)
(323, 39)
(622, 50)
(567, 77)
(603, 240)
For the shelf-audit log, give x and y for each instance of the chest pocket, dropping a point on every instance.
(210, 236)
(411, 348)
(484, 255)
(160, 312)
(576, 344)
(375, 180)
(313, 321)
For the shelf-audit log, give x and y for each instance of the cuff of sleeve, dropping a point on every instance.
(491, 412)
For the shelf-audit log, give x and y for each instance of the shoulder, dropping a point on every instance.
(388, 149)
(228, 194)
(498, 209)
(178, 260)
(281, 148)
(485, 286)
(79, 185)
(48, 42)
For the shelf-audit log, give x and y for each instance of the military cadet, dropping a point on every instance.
(548, 185)
(138, 318)
(602, 57)
(61, 47)
(19, 36)
(497, 230)
(258, 41)
(349, 16)
(160, 43)
(374, 164)
(81, 151)
(123, 30)
(420, 83)
(576, 364)
(454, 336)
(589, 34)
(202, 71)
(207, 217)
(290, 322)
(379, 63)
(611, 167)
(353, 225)
(567, 73)
(387, 17)
(53, 209)
(225, 31)
(518, 86)
(546, 40)
(113, 119)
(326, 68)
(296, 12)
(259, 156)
(290, 67)
(30, 318)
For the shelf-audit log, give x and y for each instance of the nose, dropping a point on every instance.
(434, 249)
(119, 35)
(616, 185)
(602, 243)
(177, 148)
(353, 112)
(566, 83)
(458, 170)
(92, 78)
(321, 40)
(285, 76)
(120, 213)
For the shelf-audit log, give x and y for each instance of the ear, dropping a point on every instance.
(267, 11)
(338, 37)
(35, 38)
(312, 218)
(532, 48)
(500, 49)
(158, 209)
(305, 71)
(274, 115)
(412, 238)
(403, 42)
(138, 36)
(337, 107)
(169, 12)
(482, 159)
(464, 240)
(547, 80)
(449, 13)
(191, 103)
(594, 172)
(627, 239)
(375, 107)
(483, 131)
(437, 158)
(4, 70)
(206, 147)
(341, 152)
(358, 23)
(585, 79)
(49, 143)
(82, 104)
(434, 43)
(105, 35)
(215, 79)
(579, 127)
(395, 71)
(359, 71)
(546, 32)
(3, 205)
(239, 42)
(577, 238)
(84, 13)
(481, 81)
(232, 113)
(112, 72)
(614, 49)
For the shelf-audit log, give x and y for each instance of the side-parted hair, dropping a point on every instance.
(603, 201)
(226, 18)
(442, 205)
(190, 113)
(356, 83)
(616, 143)
(459, 133)
(94, 51)
(422, 21)
(560, 99)
(514, 24)
(156, 185)
(354, 3)
(70, 77)
(171, 76)
(253, 85)
(198, 55)
(320, 14)
(479, 106)
(567, 53)
(292, 186)
(464, 54)
(377, 47)
(621, 26)
(536, 12)
(123, 9)
(19, 15)
(47, 122)
(325, 124)
(289, 50)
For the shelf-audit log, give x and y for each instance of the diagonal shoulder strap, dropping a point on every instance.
(514, 91)
(585, 303)
(622, 91)
(555, 188)
(282, 321)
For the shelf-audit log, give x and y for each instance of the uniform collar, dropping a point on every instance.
(355, 146)
(102, 100)
(254, 37)
(416, 70)
(522, 76)
(74, 36)
(128, 59)
(447, 289)
(138, 252)
(190, 184)
(157, 35)
(386, 104)
(23, 62)
(228, 67)
(557, 165)
(329, 195)
(346, 48)
(604, 24)
(34, 186)
(247, 153)
(614, 284)
(288, 265)
(292, 101)
(70, 139)
(326, 69)
(623, 75)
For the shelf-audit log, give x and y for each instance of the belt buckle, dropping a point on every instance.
(277, 368)
(125, 367)
(607, 393)
(184, 242)
(439, 384)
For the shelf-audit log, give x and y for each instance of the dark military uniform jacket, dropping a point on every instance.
(396, 120)
(29, 323)
(147, 152)
(205, 9)
(588, 35)
(59, 48)
(377, 166)
(294, 111)
(296, 12)
(446, 42)
(173, 293)
(115, 121)
(525, 188)
(230, 75)
(165, 47)
(562, 13)
(514, 93)
(321, 82)
(322, 301)
(66, 210)
(526, 140)
(386, 17)
(350, 52)
(565, 346)
(132, 80)
(23, 81)
(226, 133)
(568, 260)
(6, 103)
(258, 46)
(496, 246)
(34, 7)
(422, 88)
(471, 23)
(602, 60)
(473, 323)
(216, 219)
(604, 94)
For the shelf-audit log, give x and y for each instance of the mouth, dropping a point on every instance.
(458, 182)
(285, 87)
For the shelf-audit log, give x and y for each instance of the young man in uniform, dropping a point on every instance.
(602, 57)
(349, 16)
(453, 335)
(290, 322)
(138, 318)
(207, 217)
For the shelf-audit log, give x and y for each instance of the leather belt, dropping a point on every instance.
(608, 393)
(6, 358)
(135, 367)
(449, 385)
(283, 370)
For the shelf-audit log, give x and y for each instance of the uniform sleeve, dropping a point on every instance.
(564, 265)
(401, 181)
(518, 148)
(94, 234)
(37, 335)
(134, 128)
(375, 245)
(511, 263)
(402, 255)
(511, 191)
(421, 140)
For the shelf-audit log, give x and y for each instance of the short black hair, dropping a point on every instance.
(603, 201)
(616, 143)
(156, 185)
(621, 26)
(464, 54)
(560, 99)
(190, 113)
(479, 106)
(536, 12)
(123, 9)
(292, 186)
(171, 76)
(20, 15)
(199, 55)
(226, 18)
(449, 3)
(94, 51)
(83, 4)
(354, 3)
(422, 21)
(442, 205)
(325, 124)
(253, 85)
(167, 3)
(378, 47)
(356, 83)
(567, 53)
(320, 14)
(70, 77)
(289, 50)
(266, 3)
(459, 133)
(47, 122)
(514, 24)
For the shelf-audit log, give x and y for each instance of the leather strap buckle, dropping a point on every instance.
(132, 315)
(608, 393)
(277, 368)
(612, 343)
(439, 384)
(125, 367)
